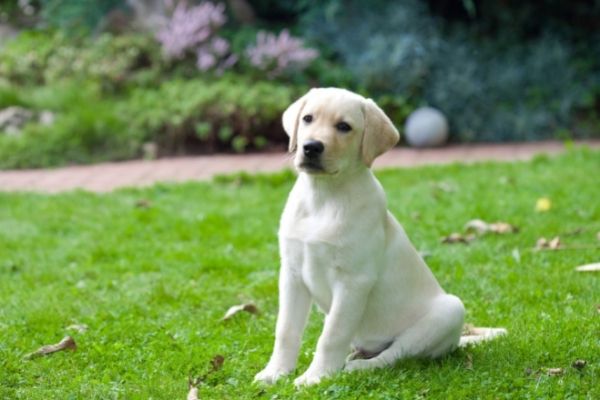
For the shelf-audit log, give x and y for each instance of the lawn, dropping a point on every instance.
(152, 271)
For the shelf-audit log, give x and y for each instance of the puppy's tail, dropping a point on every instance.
(475, 335)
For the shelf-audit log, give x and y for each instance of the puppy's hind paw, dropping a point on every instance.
(359, 365)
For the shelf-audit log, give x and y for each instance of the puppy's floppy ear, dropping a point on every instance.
(291, 119)
(380, 134)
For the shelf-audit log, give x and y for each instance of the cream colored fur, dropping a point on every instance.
(343, 250)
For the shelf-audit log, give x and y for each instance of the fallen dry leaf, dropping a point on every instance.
(458, 238)
(79, 328)
(469, 362)
(193, 392)
(579, 364)
(217, 362)
(66, 343)
(595, 267)
(554, 243)
(503, 227)
(248, 307)
(545, 244)
(143, 203)
(554, 371)
(482, 227)
(543, 204)
(477, 225)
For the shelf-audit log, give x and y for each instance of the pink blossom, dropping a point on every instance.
(278, 54)
(205, 60)
(219, 46)
(190, 27)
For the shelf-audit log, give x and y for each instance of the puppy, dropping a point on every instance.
(343, 250)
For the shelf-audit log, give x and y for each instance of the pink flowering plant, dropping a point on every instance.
(279, 54)
(194, 31)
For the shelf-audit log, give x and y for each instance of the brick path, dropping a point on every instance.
(109, 176)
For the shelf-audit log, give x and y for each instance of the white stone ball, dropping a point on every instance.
(426, 127)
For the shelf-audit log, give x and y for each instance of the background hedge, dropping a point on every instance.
(500, 71)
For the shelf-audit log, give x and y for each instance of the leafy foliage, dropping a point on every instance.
(40, 57)
(179, 115)
(538, 78)
(229, 112)
(87, 128)
(76, 15)
(490, 91)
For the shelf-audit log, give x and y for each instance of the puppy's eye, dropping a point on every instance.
(307, 118)
(343, 127)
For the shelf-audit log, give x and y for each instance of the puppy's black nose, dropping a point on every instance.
(313, 148)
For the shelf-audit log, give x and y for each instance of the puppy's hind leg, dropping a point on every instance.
(435, 334)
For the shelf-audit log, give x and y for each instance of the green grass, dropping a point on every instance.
(153, 282)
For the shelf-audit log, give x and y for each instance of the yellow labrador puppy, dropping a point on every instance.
(341, 248)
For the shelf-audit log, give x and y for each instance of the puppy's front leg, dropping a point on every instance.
(294, 305)
(341, 323)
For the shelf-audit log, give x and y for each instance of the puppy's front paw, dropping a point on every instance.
(306, 380)
(362, 365)
(270, 375)
(311, 377)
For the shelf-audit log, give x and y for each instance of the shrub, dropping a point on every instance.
(87, 129)
(181, 116)
(231, 112)
(76, 15)
(490, 88)
(38, 57)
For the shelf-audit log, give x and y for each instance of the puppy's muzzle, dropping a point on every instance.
(311, 156)
(313, 149)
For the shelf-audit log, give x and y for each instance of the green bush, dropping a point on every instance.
(76, 15)
(87, 128)
(492, 87)
(229, 112)
(39, 57)
(180, 116)
(113, 94)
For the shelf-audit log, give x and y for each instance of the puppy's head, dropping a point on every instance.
(333, 130)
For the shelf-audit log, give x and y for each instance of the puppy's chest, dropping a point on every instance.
(331, 238)
(319, 264)
(325, 246)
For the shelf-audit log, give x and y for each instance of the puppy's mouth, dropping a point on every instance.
(311, 167)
